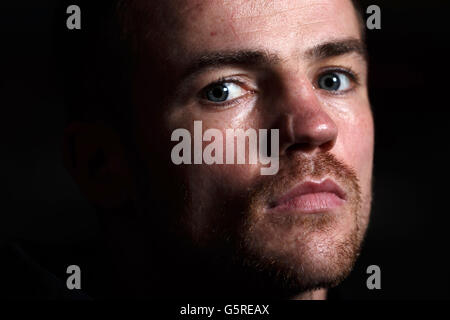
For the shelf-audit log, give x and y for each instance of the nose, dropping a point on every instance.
(305, 125)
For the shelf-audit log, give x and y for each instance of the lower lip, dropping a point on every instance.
(310, 203)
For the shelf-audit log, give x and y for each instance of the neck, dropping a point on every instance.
(320, 294)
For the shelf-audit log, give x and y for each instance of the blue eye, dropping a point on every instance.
(217, 93)
(221, 92)
(334, 81)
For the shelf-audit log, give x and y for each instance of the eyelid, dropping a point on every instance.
(354, 77)
(236, 79)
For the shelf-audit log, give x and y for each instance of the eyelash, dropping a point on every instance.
(221, 81)
(354, 77)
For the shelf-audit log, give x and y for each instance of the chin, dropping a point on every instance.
(301, 253)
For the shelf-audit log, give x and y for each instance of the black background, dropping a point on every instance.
(42, 208)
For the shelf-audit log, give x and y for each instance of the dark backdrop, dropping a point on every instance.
(408, 236)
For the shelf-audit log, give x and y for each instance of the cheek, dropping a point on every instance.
(215, 197)
(220, 181)
(355, 146)
(225, 178)
(214, 187)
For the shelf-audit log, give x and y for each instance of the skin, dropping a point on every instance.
(221, 211)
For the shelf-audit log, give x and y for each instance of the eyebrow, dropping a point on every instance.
(337, 48)
(256, 58)
(248, 58)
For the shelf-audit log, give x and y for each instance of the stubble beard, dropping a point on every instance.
(303, 252)
(287, 255)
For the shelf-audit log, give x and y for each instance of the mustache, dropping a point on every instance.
(303, 167)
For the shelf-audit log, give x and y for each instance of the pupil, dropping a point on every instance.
(331, 82)
(218, 93)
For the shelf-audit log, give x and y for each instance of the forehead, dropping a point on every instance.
(191, 26)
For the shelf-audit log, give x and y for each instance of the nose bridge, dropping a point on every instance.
(301, 96)
(305, 120)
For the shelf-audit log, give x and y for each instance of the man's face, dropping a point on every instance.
(288, 65)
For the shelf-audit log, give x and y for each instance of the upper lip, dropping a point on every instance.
(308, 187)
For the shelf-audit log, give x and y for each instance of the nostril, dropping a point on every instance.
(309, 146)
(328, 145)
(303, 147)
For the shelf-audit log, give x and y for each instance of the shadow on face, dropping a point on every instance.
(298, 67)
